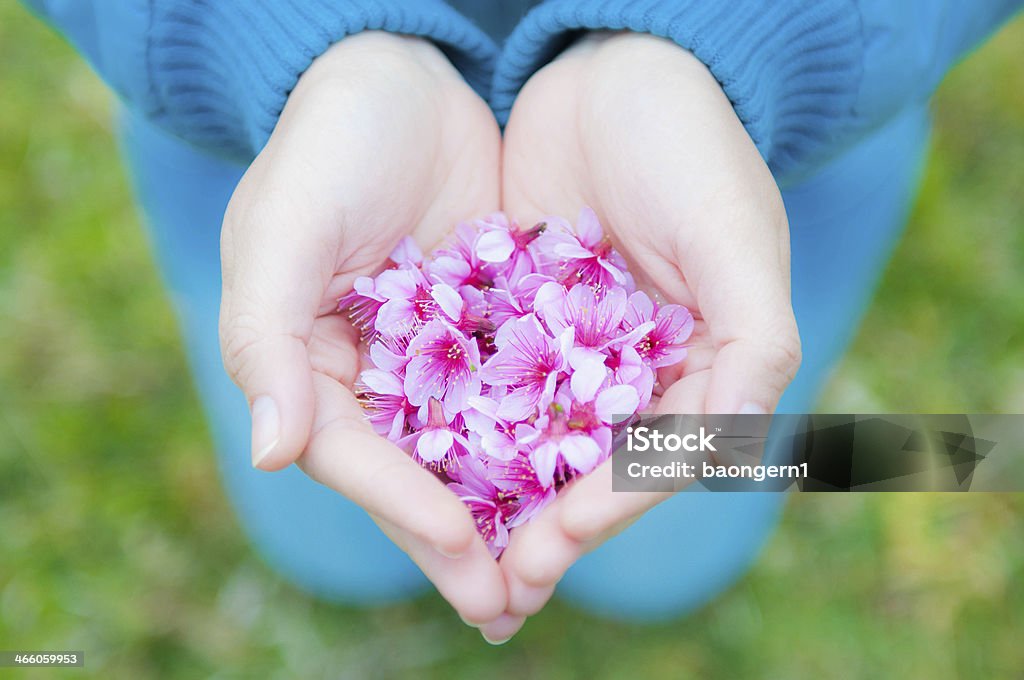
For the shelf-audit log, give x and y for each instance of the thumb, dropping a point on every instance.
(744, 297)
(273, 283)
(749, 375)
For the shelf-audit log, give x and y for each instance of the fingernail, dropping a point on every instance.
(750, 408)
(495, 642)
(471, 625)
(266, 428)
(509, 623)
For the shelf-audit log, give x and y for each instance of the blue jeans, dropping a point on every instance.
(844, 223)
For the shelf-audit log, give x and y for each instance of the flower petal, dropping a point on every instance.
(677, 322)
(448, 300)
(588, 373)
(397, 425)
(385, 359)
(498, 445)
(452, 270)
(639, 308)
(460, 389)
(589, 227)
(617, 274)
(365, 286)
(580, 451)
(630, 364)
(670, 357)
(382, 382)
(550, 304)
(495, 246)
(543, 459)
(406, 252)
(434, 444)
(423, 379)
(572, 251)
(396, 283)
(616, 400)
(395, 316)
(517, 405)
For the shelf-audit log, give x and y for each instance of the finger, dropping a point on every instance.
(334, 349)
(749, 376)
(590, 510)
(345, 454)
(273, 284)
(700, 354)
(592, 513)
(501, 630)
(471, 583)
(743, 294)
(731, 240)
(585, 515)
(524, 599)
(537, 556)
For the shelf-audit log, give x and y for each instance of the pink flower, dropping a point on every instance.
(588, 257)
(407, 252)
(361, 305)
(506, 362)
(383, 397)
(510, 245)
(461, 264)
(463, 308)
(628, 368)
(517, 478)
(607, 403)
(487, 504)
(494, 435)
(512, 298)
(439, 442)
(529, 361)
(595, 318)
(594, 395)
(662, 345)
(389, 352)
(407, 300)
(557, 448)
(444, 364)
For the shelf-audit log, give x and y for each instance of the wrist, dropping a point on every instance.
(624, 77)
(376, 57)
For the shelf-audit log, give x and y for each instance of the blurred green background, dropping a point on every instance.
(115, 536)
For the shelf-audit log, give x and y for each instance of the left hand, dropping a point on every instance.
(638, 129)
(381, 138)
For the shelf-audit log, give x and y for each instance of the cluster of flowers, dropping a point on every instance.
(506, 361)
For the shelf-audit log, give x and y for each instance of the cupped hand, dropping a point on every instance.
(381, 138)
(639, 129)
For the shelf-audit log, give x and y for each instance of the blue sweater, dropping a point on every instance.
(808, 78)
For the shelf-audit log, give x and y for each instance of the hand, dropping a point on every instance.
(381, 138)
(638, 129)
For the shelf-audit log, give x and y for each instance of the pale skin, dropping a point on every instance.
(382, 138)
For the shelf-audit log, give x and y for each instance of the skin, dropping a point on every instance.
(640, 130)
(382, 138)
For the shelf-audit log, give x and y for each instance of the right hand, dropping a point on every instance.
(638, 128)
(381, 138)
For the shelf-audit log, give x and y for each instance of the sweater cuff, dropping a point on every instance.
(791, 68)
(221, 70)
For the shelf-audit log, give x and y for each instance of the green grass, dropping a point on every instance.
(115, 536)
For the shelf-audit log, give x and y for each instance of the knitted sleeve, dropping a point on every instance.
(806, 77)
(218, 72)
